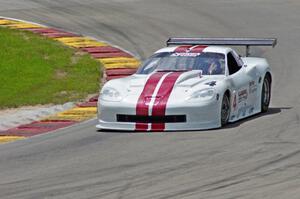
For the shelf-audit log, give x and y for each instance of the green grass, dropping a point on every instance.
(36, 70)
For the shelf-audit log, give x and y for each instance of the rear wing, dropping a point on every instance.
(247, 42)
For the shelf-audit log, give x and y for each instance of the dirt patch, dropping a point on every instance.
(60, 74)
(77, 55)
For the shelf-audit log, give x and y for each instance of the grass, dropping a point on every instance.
(36, 70)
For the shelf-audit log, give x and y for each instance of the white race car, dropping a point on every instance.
(193, 84)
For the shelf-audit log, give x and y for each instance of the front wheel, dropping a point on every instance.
(225, 110)
(266, 94)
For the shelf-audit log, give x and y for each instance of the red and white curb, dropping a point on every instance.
(116, 63)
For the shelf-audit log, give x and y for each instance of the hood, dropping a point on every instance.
(187, 79)
(184, 83)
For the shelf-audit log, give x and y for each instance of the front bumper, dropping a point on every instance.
(199, 116)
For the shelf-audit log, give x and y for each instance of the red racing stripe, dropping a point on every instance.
(197, 49)
(142, 106)
(163, 94)
(182, 49)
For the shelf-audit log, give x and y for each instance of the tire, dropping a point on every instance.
(266, 94)
(225, 110)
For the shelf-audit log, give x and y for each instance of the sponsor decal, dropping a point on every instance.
(234, 103)
(243, 110)
(252, 87)
(149, 99)
(251, 83)
(242, 95)
(186, 54)
(251, 110)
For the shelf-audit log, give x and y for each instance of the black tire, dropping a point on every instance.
(225, 110)
(266, 94)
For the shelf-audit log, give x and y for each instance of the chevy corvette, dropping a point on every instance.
(192, 84)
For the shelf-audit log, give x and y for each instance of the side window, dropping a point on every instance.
(233, 66)
(237, 58)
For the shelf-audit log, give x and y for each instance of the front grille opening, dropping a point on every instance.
(151, 119)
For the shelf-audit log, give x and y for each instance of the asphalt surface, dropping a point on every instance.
(255, 158)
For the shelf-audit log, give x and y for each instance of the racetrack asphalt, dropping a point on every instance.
(255, 158)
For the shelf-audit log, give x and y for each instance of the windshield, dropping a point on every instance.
(209, 63)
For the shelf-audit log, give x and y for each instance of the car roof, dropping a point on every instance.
(214, 49)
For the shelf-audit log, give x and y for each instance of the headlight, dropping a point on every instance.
(205, 94)
(110, 94)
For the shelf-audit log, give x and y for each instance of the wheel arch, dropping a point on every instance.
(227, 92)
(268, 74)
